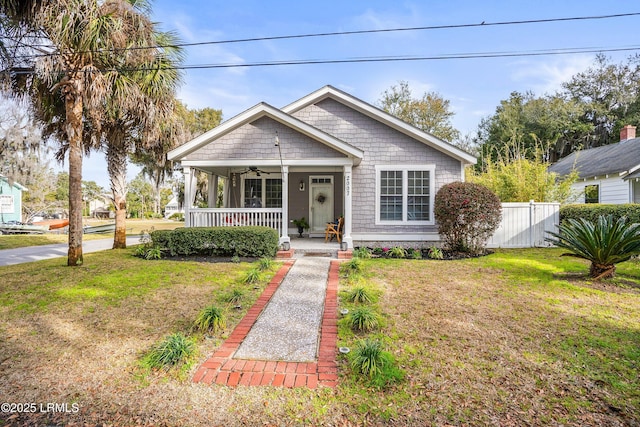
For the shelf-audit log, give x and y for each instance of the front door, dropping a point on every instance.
(320, 203)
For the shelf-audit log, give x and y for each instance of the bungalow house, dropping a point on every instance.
(326, 155)
(607, 174)
(10, 200)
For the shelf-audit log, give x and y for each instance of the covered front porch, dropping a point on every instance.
(260, 194)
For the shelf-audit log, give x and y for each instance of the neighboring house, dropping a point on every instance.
(10, 200)
(172, 207)
(326, 155)
(100, 206)
(607, 174)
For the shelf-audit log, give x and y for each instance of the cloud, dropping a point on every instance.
(209, 53)
(546, 76)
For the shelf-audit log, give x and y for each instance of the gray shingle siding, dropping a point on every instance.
(256, 141)
(382, 145)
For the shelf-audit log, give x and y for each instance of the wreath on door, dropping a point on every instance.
(321, 198)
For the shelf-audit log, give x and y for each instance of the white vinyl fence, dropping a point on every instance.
(524, 225)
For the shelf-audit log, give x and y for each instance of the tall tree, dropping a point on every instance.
(199, 120)
(139, 108)
(89, 42)
(610, 94)
(534, 128)
(192, 123)
(20, 138)
(153, 160)
(431, 112)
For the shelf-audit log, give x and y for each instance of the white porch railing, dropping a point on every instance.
(228, 217)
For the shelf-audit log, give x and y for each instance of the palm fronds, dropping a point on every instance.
(605, 243)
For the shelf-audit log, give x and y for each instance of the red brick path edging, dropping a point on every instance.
(223, 369)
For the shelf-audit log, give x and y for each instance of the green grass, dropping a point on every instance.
(517, 337)
(106, 278)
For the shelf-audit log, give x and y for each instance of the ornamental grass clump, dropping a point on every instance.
(174, 349)
(210, 319)
(265, 263)
(252, 277)
(397, 252)
(605, 242)
(234, 297)
(362, 253)
(435, 253)
(353, 266)
(370, 359)
(364, 319)
(360, 295)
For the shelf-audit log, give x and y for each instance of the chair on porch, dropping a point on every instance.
(334, 229)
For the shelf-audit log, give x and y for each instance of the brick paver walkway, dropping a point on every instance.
(222, 368)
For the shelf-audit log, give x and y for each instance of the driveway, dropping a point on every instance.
(37, 253)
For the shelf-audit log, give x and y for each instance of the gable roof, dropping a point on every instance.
(265, 110)
(614, 159)
(15, 184)
(382, 117)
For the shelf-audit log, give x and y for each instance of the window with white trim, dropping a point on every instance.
(262, 192)
(404, 194)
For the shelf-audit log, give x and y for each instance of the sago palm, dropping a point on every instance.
(605, 243)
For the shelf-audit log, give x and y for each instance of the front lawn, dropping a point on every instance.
(519, 337)
(134, 227)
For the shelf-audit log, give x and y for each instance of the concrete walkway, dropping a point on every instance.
(289, 337)
(37, 253)
(288, 328)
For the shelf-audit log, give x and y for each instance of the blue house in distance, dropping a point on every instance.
(10, 200)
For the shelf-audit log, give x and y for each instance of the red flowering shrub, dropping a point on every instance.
(467, 215)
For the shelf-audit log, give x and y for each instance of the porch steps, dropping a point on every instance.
(310, 252)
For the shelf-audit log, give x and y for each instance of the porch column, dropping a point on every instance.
(284, 237)
(188, 200)
(348, 201)
(226, 188)
(213, 190)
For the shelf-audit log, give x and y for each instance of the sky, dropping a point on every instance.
(474, 87)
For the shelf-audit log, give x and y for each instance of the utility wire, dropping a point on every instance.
(390, 30)
(471, 55)
(346, 33)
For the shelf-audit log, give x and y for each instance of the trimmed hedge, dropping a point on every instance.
(218, 241)
(591, 212)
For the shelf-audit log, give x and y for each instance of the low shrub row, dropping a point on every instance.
(591, 212)
(399, 252)
(217, 241)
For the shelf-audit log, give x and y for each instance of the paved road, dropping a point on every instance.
(37, 253)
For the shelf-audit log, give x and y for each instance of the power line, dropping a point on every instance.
(570, 51)
(390, 30)
(355, 32)
(453, 56)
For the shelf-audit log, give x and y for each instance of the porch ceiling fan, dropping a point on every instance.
(255, 170)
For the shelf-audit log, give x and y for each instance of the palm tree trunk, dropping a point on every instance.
(73, 107)
(157, 183)
(602, 271)
(117, 167)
